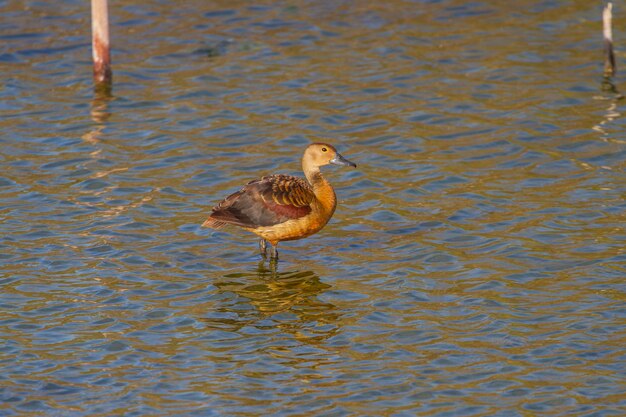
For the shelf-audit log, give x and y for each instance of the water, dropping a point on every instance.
(474, 266)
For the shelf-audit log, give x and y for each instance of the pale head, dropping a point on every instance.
(320, 154)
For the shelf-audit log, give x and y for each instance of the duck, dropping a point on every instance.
(283, 207)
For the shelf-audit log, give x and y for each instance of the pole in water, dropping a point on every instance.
(100, 44)
(607, 30)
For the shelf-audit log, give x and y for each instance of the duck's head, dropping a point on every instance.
(320, 154)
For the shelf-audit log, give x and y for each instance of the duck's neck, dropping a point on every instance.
(324, 192)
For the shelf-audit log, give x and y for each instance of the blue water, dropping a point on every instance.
(474, 266)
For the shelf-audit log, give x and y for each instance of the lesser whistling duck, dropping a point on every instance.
(283, 207)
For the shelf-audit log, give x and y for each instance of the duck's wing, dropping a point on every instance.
(265, 202)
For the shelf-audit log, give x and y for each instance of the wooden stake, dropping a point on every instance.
(609, 56)
(100, 44)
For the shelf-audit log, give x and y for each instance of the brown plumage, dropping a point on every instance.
(283, 207)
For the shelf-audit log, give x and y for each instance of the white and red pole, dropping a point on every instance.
(607, 31)
(100, 43)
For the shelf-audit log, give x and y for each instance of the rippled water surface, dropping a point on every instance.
(474, 266)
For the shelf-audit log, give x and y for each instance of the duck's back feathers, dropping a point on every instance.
(265, 202)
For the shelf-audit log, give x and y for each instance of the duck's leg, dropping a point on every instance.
(274, 254)
(263, 247)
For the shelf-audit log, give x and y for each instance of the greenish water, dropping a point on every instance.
(474, 267)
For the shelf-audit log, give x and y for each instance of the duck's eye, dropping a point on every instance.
(324, 149)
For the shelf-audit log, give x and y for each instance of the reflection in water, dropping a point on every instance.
(275, 296)
(100, 114)
(611, 113)
(272, 292)
(609, 86)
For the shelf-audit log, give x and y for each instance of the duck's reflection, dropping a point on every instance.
(287, 300)
(271, 291)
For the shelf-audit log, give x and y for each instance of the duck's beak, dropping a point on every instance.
(340, 160)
